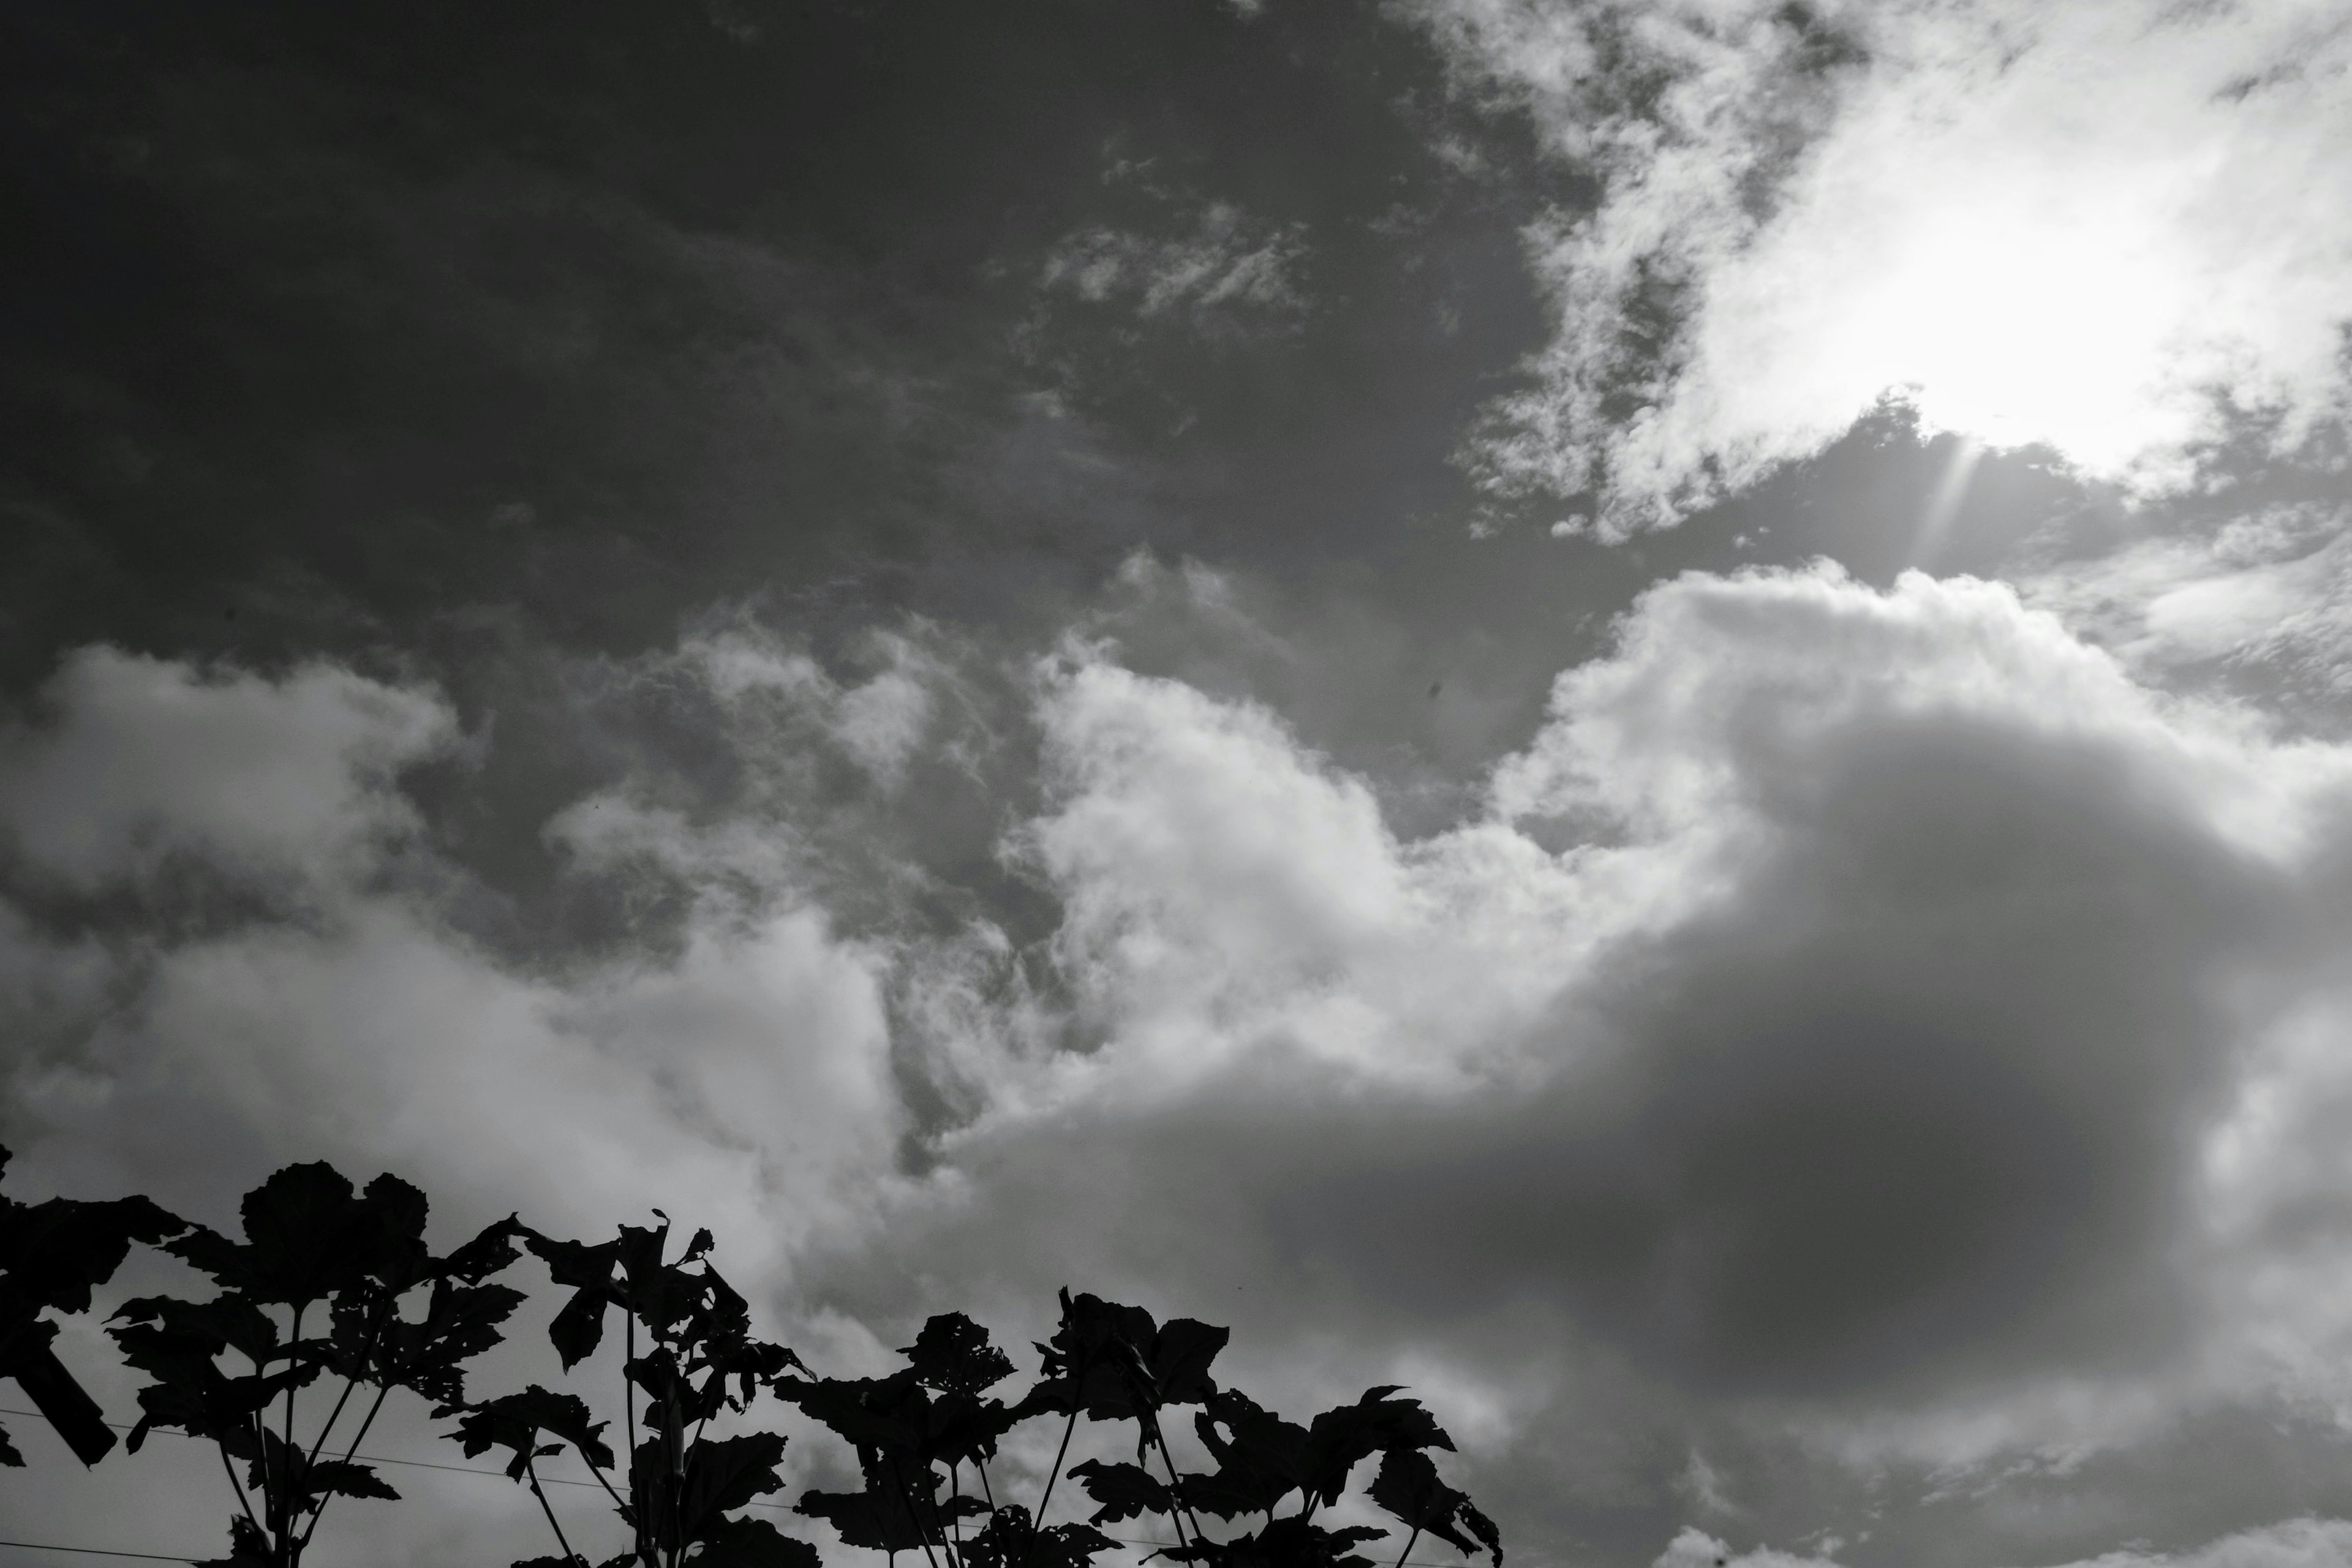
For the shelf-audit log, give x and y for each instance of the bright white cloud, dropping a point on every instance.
(283, 779)
(1224, 895)
(2267, 595)
(2296, 1543)
(1228, 260)
(744, 1079)
(2033, 964)
(2069, 225)
(1696, 1549)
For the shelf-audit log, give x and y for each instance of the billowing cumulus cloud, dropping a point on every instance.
(991, 648)
(1875, 1007)
(2298, 1543)
(1854, 1005)
(346, 1014)
(2087, 225)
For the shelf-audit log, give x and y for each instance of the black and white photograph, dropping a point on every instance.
(1244, 784)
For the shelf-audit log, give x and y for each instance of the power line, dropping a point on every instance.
(97, 1551)
(479, 1470)
(371, 1458)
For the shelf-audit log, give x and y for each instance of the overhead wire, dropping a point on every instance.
(479, 1470)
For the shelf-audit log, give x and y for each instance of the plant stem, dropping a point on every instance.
(241, 1500)
(898, 1479)
(637, 1518)
(674, 1432)
(1408, 1544)
(628, 1514)
(531, 1467)
(1055, 1474)
(357, 1438)
(333, 1417)
(1177, 1512)
(285, 1511)
(389, 1304)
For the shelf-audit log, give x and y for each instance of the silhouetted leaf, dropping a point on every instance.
(1123, 1491)
(1010, 1541)
(954, 1355)
(877, 1521)
(341, 1477)
(515, 1421)
(60, 1399)
(1287, 1542)
(964, 1430)
(1408, 1486)
(52, 1255)
(890, 1414)
(1377, 1422)
(579, 1328)
(1254, 1448)
(246, 1547)
(1181, 1355)
(753, 1544)
(726, 1473)
(306, 1236)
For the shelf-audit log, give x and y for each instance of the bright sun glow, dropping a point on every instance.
(2016, 326)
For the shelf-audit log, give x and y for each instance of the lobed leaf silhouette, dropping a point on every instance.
(753, 1544)
(347, 1262)
(1010, 1540)
(688, 1356)
(952, 1354)
(515, 1422)
(1125, 1491)
(1408, 1486)
(53, 1254)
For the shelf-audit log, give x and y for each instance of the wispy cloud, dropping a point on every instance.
(2088, 226)
(1226, 263)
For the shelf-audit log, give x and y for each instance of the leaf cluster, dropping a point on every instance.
(915, 1431)
(53, 1254)
(320, 1286)
(688, 1356)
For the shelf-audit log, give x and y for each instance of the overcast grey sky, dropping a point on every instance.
(1639, 711)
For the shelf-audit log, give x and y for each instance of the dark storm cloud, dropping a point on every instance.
(1912, 1098)
(873, 609)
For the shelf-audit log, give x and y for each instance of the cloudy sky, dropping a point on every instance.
(1636, 710)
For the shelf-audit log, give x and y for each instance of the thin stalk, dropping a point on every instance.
(1177, 1512)
(1055, 1474)
(955, 1494)
(241, 1501)
(357, 1438)
(939, 1522)
(531, 1467)
(628, 1514)
(333, 1417)
(384, 1311)
(285, 1510)
(898, 1479)
(636, 1517)
(940, 1527)
(985, 1490)
(1408, 1546)
(674, 1430)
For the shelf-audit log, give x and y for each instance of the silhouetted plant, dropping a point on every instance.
(350, 1265)
(915, 1430)
(315, 1256)
(688, 1354)
(52, 1255)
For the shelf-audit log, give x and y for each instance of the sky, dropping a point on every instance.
(1640, 713)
